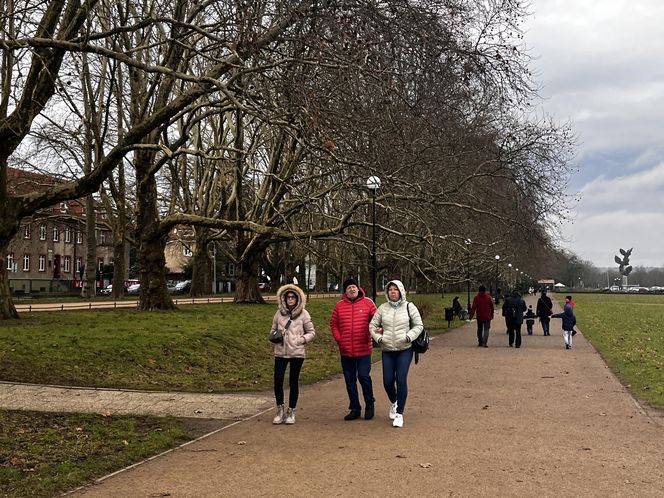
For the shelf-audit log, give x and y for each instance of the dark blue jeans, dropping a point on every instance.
(395, 376)
(358, 368)
(545, 324)
(280, 365)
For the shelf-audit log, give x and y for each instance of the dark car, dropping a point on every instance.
(264, 286)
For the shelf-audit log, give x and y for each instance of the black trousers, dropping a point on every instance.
(514, 334)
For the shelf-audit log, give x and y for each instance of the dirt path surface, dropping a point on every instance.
(498, 421)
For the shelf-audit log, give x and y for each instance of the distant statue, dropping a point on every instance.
(623, 263)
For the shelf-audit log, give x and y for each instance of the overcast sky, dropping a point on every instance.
(601, 66)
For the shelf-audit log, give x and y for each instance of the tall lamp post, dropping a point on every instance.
(468, 242)
(497, 259)
(373, 184)
(509, 278)
(516, 277)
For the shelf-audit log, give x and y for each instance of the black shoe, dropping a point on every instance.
(369, 412)
(479, 344)
(566, 346)
(352, 415)
(510, 345)
(484, 345)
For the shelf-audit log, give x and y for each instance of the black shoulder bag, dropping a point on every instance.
(421, 343)
(276, 336)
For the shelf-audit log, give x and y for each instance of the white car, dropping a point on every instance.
(133, 289)
(107, 291)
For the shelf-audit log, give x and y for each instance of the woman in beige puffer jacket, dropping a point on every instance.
(297, 328)
(394, 326)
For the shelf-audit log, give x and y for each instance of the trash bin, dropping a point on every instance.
(449, 315)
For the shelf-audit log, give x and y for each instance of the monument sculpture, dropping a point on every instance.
(623, 264)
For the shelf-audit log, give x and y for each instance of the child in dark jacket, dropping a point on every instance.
(569, 321)
(530, 319)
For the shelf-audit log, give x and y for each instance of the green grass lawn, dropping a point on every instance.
(206, 348)
(626, 329)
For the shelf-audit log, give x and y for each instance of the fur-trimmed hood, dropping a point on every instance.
(281, 299)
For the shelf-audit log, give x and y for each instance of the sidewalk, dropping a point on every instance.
(121, 402)
(537, 421)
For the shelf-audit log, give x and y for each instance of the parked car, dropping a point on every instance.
(107, 291)
(133, 289)
(264, 286)
(182, 287)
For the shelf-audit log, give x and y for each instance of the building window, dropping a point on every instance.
(231, 269)
(79, 264)
(63, 207)
(79, 237)
(67, 234)
(42, 262)
(42, 232)
(100, 264)
(26, 262)
(186, 250)
(66, 264)
(102, 237)
(26, 232)
(56, 234)
(10, 261)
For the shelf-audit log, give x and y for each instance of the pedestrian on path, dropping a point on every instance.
(483, 306)
(294, 322)
(394, 326)
(350, 327)
(568, 300)
(569, 321)
(544, 310)
(530, 319)
(513, 309)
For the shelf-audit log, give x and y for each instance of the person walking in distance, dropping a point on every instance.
(294, 323)
(483, 306)
(394, 326)
(569, 321)
(530, 319)
(544, 310)
(350, 327)
(513, 309)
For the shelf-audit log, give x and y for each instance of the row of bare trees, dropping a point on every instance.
(257, 123)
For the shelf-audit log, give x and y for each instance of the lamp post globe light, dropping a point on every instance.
(497, 257)
(468, 242)
(373, 184)
(509, 278)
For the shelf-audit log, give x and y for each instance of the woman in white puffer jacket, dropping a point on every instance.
(394, 326)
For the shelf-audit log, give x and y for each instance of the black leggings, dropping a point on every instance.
(280, 365)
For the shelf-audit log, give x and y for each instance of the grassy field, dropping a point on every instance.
(627, 331)
(207, 348)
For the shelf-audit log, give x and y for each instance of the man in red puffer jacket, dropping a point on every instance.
(350, 328)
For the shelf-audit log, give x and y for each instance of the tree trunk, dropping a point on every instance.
(119, 267)
(246, 282)
(201, 283)
(9, 224)
(151, 242)
(7, 309)
(89, 287)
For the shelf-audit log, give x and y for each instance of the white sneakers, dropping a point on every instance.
(398, 420)
(393, 410)
(281, 415)
(290, 416)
